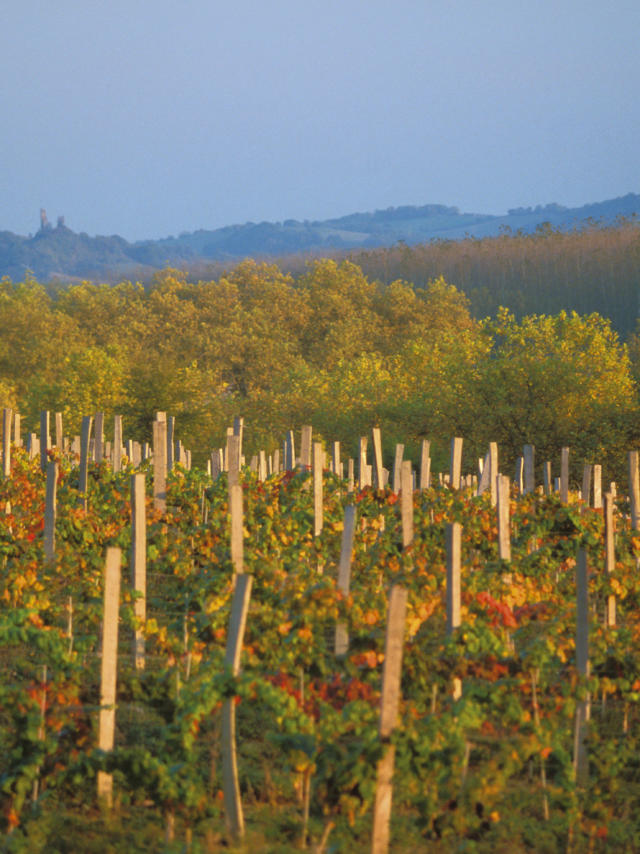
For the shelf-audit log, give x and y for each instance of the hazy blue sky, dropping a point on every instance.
(151, 117)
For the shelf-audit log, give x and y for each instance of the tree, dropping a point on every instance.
(553, 381)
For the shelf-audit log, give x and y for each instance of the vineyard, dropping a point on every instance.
(309, 654)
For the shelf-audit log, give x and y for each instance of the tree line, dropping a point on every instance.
(329, 346)
(593, 268)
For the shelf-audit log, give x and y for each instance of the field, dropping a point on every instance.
(492, 750)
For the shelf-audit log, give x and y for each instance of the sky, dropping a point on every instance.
(148, 118)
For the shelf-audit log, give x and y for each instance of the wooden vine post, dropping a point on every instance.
(587, 472)
(85, 438)
(564, 475)
(236, 525)
(50, 512)
(6, 443)
(336, 464)
(318, 462)
(160, 465)
(59, 431)
(108, 668)
(493, 472)
(117, 444)
(290, 452)
(341, 645)
(389, 702)
(634, 489)
(597, 487)
(504, 532)
(456, 463)
(454, 531)
(406, 503)
(230, 784)
(580, 758)
(529, 456)
(363, 475)
(233, 460)
(377, 457)
(44, 440)
(171, 429)
(609, 557)
(98, 438)
(397, 468)
(138, 565)
(262, 466)
(425, 465)
(305, 446)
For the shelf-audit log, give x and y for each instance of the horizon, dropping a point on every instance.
(61, 219)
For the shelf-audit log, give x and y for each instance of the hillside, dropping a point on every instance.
(60, 253)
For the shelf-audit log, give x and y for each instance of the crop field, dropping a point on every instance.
(274, 657)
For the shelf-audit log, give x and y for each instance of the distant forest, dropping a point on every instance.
(594, 269)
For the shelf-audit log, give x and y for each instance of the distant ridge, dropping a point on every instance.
(57, 252)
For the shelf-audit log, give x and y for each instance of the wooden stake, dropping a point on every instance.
(634, 489)
(238, 430)
(493, 472)
(597, 487)
(236, 524)
(529, 454)
(98, 446)
(362, 465)
(50, 512)
(305, 446)
(586, 483)
(83, 485)
(377, 457)
(59, 432)
(504, 533)
(564, 476)
(318, 511)
(6, 443)
(397, 468)
(456, 463)
(609, 556)
(484, 468)
(335, 459)
(233, 460)
(217, 463)
(582, 663)
(171, 429)
(17, 437)
(44, 440)
(138, 565)
(454, 530)
(108, 667)
(160, 465)
(406, 503)
(388, 717)
(262, 466)
(117, 444)
(425, 465)
(290, 452)
(230, 784)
